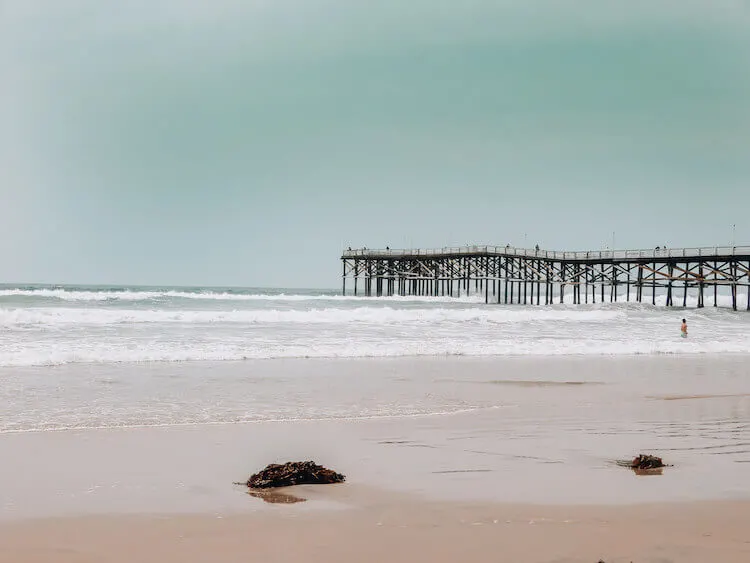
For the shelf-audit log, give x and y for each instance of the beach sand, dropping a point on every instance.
(531, 476)
(397, 529)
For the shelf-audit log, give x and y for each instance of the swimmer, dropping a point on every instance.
(683, 328)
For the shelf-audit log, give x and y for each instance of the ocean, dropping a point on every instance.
(48, 326)
(92, 356)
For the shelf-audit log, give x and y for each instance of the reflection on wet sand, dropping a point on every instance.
(689, 397)
(646, 472)
(641, 472)
(449, 471)
(521, 383)
(274, 496)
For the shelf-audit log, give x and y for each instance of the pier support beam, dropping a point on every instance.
(516, 276)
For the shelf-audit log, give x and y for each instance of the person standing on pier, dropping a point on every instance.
(683, 328)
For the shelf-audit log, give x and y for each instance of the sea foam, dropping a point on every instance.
(68, 325)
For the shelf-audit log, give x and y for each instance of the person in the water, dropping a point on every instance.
(683, 328)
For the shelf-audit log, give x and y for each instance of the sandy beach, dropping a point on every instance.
(526, 471)
(380, 527)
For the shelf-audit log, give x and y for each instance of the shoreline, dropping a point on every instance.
(245, 375)
(427, 356)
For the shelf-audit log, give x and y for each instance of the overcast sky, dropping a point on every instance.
(247, 142)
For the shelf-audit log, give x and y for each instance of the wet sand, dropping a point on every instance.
(384, 527)
(529, 475)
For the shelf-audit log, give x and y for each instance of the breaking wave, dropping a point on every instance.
(59, 316)
(43, 326)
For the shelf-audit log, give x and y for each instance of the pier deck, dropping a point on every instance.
(523, 275)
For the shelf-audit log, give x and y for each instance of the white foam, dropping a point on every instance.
(404, 413)
(65, 294)
(60, 316)
(131, 295)
(92, 351)
(54, 333)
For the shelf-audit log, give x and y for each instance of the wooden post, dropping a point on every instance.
(639, 290)
(498, 278)
(593, 283)
(684, 293)
(627, 283)
(562, 282)
(583, 294)
(653, 285)
(377, 279)
(530, 276)
(383, 279)
(467, 273)
(486, 281)
(367, 279)
(669, 285)
(356, 276)
(391, 279)
(716, 278)
(615, 273)
(475, 262)
(450, 277)
(733, 270)
(520, 281)
(586, 274)
(343, 278)
(380, 278)
(507, 276)
(495, 277)
(538, 281)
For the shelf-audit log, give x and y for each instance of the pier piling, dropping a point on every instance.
(516, 275)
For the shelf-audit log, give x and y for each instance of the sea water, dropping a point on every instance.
(82, 357)
(46, 326)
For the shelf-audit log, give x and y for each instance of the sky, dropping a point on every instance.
(247, 142)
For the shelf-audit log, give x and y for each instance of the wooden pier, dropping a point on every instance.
(532, 276)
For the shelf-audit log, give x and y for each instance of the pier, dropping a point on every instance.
(508, 275)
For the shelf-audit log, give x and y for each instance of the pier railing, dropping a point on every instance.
(705, 252)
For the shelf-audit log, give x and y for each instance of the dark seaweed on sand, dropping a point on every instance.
(643, 461)
(293, 473)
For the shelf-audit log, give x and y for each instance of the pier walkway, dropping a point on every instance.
(521, 275)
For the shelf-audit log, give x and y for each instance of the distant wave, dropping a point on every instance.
(132, 295)
(161, 296)
(382, 316)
